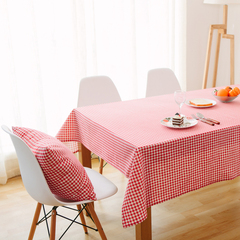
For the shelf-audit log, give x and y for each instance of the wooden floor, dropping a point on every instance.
(209, 213)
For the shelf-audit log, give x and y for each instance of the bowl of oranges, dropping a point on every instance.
(227, 94)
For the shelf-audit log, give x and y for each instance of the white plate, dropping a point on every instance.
(209, 100)
(188, 122)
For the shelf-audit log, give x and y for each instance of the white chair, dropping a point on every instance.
(37, 187)
(97, 90)
(161, 81)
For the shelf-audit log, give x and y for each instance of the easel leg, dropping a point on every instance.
(232, 61)
(216, 60)
(207, 58)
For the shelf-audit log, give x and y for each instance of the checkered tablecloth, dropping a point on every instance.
(160, 163)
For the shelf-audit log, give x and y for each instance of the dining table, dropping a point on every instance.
(160, 161)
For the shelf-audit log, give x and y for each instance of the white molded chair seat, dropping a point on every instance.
(161, 81)
(97, 90)
(37, 187)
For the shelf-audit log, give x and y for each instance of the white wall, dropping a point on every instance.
(199, 17)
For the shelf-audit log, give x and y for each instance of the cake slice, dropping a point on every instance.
(177, 120)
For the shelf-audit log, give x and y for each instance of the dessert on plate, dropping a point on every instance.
(177, 119)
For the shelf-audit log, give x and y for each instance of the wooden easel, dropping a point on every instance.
(222, 30)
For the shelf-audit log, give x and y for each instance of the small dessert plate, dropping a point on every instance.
(188, 122)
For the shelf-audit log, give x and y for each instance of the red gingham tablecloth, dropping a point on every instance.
(160, 163)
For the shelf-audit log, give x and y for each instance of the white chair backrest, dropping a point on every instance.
(97, 90)
(161, 81)
(31, 172)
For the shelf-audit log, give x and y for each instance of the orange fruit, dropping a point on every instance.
(223, 94)
(237, 90)
(228, 88)
(234, 92)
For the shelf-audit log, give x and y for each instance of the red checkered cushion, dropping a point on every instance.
(64, 174)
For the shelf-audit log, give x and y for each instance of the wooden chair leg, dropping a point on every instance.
(35, 220)
(82, 218)
(96, 221)
(101, 166)
(53, 225)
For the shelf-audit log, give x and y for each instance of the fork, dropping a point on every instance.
(203, 120)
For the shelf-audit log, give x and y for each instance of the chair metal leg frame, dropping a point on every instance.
(101, 165)
(82, 219)
(53, 213)
(45, 219)
(74, 220)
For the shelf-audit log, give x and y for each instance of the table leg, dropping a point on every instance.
(85, 159)
(85, 156)
(144, 229)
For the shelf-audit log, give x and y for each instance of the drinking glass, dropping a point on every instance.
(180, 97)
